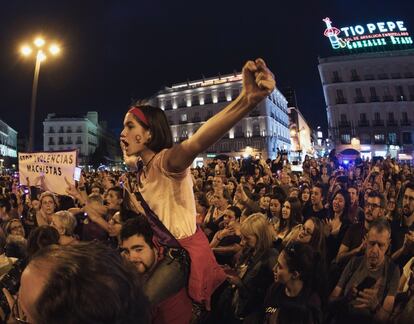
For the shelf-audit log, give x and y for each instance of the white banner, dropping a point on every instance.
(48, 169)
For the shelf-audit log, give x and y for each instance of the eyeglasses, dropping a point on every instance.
(372, 206)
(17, 313)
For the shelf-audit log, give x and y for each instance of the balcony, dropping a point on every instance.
(405, 123)
(355, 78)
(61, 142)
(412, 97)
(254, 114)
(388, 98)
(79, 142)
(196, 120)
(378, 122)
(359, 100)
(374, 99)
(344, 124)
(336, 80)
(340, 101)
(363, 123)
(401, 98)
(369, 77)
(51, 143)
(383, 76)
(392, 123)
(183, 122)
(51, 130)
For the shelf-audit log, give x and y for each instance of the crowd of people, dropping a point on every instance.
(233, 241)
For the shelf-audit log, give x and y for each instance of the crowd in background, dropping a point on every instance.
(331, 244)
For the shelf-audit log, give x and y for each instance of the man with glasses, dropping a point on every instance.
(403, 230)
(353, 242)
(366, 290)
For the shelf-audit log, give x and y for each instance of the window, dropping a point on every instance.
(336, 77)
(346, 139)
(411, 92)
(51, 130)
(51, 141)
(400, 93)
(407, 139)
(363, 117)
(69, 130)
(343, 118)
(183, 117)
(79, 129)
(354, 75)
(392, 138)
(391, 116)
(373, 91)
(404, 116)
(358, 92)
(379, 139)
(365, 138)
(377, 116)
(60, 140)
(340, 99)
(79, 140)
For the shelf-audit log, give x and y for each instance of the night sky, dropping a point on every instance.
(118, 51)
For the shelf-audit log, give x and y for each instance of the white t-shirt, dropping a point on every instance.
(170, 196)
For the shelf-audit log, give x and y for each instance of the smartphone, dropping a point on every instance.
(368, 282)
(77, 174)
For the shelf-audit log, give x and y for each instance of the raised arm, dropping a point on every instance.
(258, 82)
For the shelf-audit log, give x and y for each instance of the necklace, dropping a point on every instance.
(146, 165)
(144, 170)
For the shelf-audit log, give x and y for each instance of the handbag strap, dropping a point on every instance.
(161, 232)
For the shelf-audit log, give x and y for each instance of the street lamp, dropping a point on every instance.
(27, 50)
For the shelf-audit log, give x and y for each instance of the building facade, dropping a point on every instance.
(81, 132)
(8, 146)
(188, 105)
(301, 136)
(370, 102)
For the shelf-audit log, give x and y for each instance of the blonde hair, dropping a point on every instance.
(68, 221)
(257, 225)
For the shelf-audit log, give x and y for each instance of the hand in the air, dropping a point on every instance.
(258, 81)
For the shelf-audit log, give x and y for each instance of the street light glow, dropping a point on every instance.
(39, 42)
(54, 49)
(26, 50)
(41, 56)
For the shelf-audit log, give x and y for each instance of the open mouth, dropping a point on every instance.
(124, 143)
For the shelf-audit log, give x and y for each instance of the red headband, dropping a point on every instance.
(140, 115)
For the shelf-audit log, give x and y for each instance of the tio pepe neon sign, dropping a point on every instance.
(369, 35)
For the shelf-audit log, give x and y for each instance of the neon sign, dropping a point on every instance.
(369, 35)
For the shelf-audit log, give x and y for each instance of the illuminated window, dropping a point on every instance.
(346, 139)
(183, 117)
(392, 138)
(379, 139)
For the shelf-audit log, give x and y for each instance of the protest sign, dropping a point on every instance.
(48, 169)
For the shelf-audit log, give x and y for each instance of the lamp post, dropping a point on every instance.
(26, 50)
